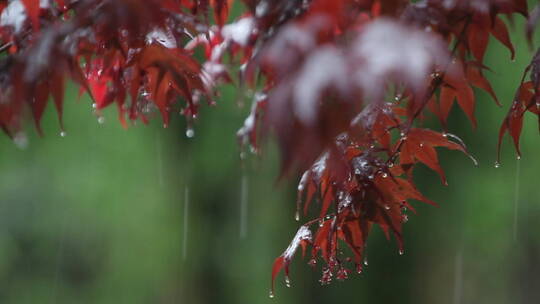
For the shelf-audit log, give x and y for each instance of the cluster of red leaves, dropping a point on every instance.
(128, 52)
(342, 84)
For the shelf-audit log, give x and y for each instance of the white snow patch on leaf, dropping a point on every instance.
(324, 68)
(303, 234)
(162, 37)
(14, 15)
(239, 31)
(390, 50)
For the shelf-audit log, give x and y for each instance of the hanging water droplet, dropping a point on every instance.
(271, 294)
(244, 195)
(405, 218)
(186, 226)
(365, 261)
(497, 164)
(390, 165)
(63, 133)
(94, 105)
(518, 157)
(101, 120)
(387, 207)
(287, 281)
(321, 222)
(297, 216)
(20, 140)
(190, 133)
(385, 175)
(401, 252)
(359, 268)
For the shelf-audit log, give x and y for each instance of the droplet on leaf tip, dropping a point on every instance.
(63, 133)
(190, 133)
(401, 252)
(366, 261)
(405, 218)
(271, 294)
(20, 140)
(497, 165)
(287, 281)
(359, 268)
(297, 216)
(518, 157)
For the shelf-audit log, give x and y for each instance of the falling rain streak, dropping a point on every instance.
(243, 206)
(516, 199)
(59, 256)
(458, 277)
(159, 159)
(186, 217)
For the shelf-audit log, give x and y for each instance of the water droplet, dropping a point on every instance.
(518, 157)
(321, 223)
(297, 216)
(497, 164)
(271, 294)
(63, 133)
(287, 281)
(359, 268)
(390, 165)
(94, 105)
(387, 207)
(190, 133)
(444, 134)
(366, 261)
(384, 175)
(401, 252)
(101, 120)
(20, 140)
(405, 218)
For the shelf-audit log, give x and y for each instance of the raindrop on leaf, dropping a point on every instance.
(190, 133)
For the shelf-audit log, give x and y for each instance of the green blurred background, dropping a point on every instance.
(99, 216)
